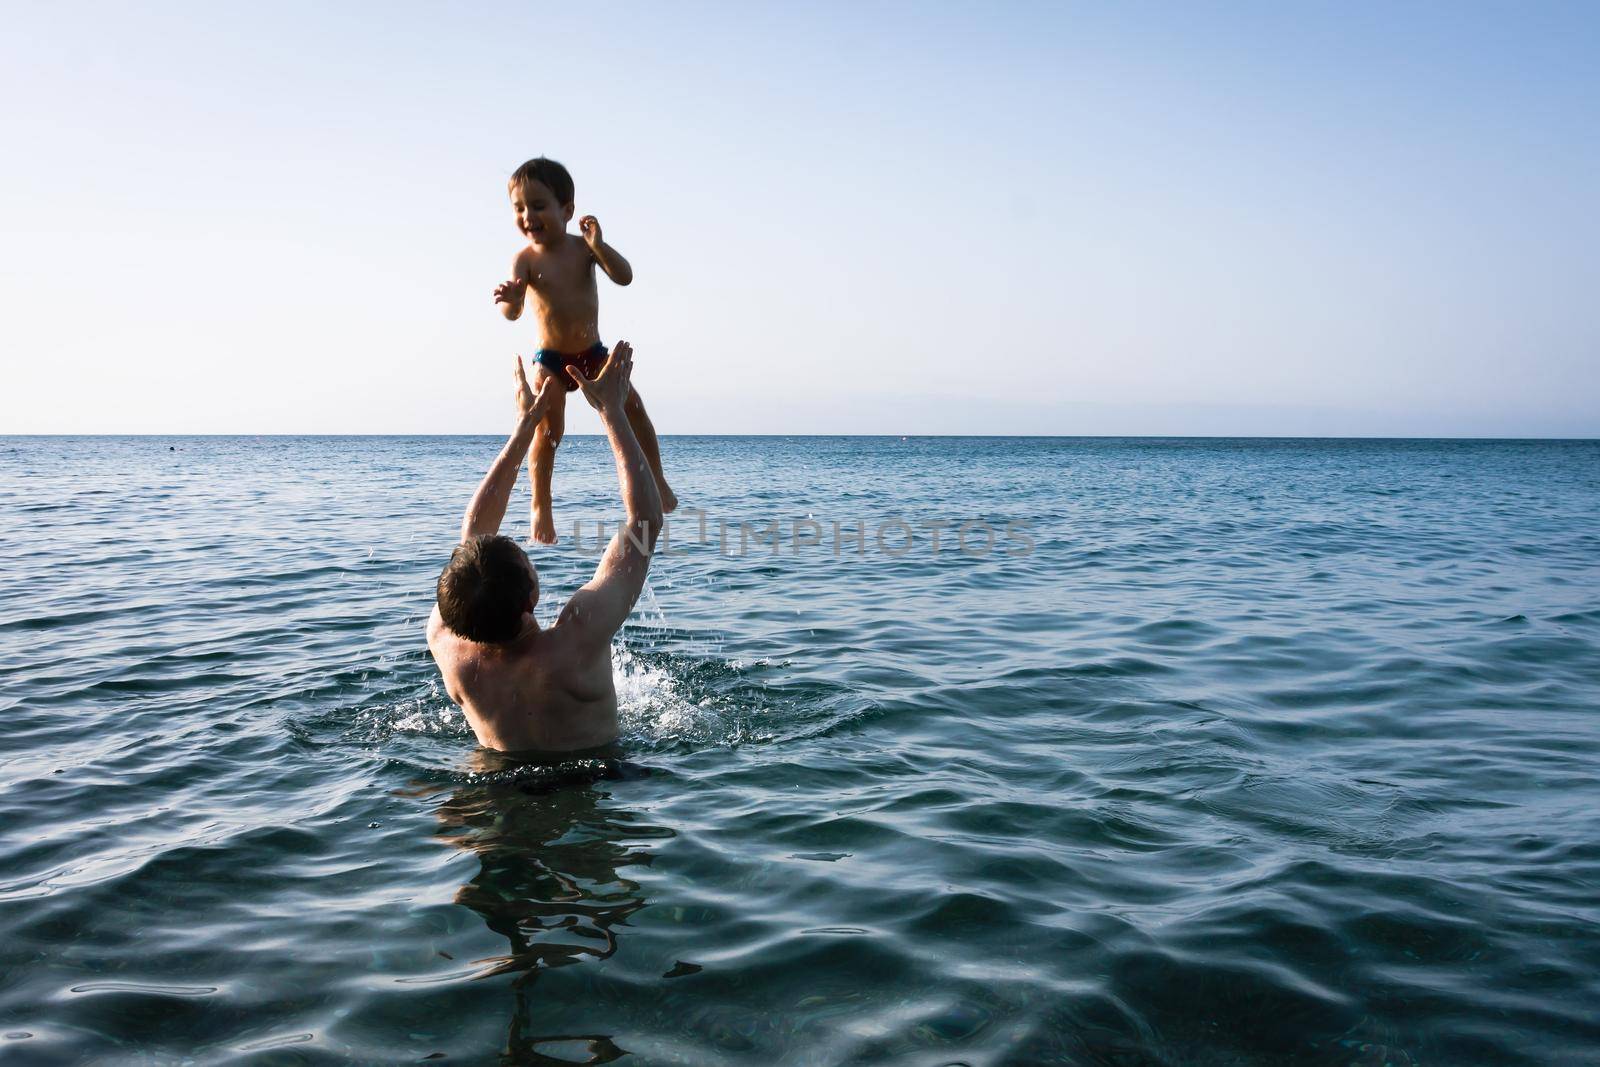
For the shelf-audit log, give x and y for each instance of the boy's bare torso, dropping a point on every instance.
(541, 691)
(560, 276)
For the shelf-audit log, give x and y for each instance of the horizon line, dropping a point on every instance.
(885, 436)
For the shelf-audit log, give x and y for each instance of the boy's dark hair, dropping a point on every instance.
(549, 173)
(485, 588)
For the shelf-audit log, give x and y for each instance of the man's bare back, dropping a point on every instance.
(523, 687)
(547, 690)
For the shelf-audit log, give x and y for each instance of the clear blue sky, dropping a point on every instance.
(999, 218)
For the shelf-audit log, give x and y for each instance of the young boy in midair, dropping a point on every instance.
(557, 268)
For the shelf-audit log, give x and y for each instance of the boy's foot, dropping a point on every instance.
(669, 499)
(544, 527)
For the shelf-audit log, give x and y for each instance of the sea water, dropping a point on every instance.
(1170, 751)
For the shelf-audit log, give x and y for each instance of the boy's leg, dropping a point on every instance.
(645, 431)
(542, 461)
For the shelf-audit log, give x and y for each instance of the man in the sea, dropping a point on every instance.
(524, 687)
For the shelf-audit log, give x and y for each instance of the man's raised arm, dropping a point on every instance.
(600, 608)
(488, 505)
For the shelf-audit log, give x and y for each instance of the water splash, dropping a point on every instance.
(654, 707)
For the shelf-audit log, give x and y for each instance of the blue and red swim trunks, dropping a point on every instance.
(588, 363)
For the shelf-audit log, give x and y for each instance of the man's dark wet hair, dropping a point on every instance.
(485, 588)
(549, 173)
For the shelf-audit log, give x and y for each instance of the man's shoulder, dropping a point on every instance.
(561, 636)
(444, 643)
(570, 642)
(439, 631)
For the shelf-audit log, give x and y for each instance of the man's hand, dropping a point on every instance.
(532, 405)
(610, 387)
(589, 226)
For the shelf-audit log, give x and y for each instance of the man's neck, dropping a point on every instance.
(530, 628)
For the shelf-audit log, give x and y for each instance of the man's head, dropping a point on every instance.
(486, 588)
(541, 197)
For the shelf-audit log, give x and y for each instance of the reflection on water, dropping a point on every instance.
(550, 848)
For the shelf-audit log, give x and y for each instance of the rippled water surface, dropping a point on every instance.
(1233, 752)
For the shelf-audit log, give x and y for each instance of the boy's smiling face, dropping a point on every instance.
(540, 215)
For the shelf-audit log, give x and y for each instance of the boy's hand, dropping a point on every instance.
(531, 405)
(610, 387)
(508, 292)
(589, 226)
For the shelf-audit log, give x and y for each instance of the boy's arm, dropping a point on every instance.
(598, 610)
(610, 260)
(488, 505)
(509, 295)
